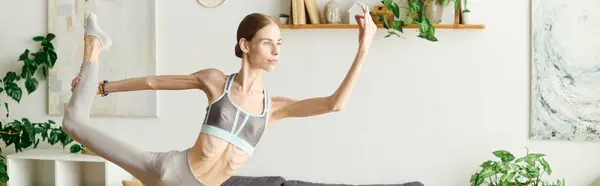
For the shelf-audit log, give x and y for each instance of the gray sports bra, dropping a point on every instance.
(225, 120)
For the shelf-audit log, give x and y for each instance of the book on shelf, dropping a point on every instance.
(305, 12)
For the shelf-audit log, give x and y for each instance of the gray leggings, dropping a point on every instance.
(151, 168)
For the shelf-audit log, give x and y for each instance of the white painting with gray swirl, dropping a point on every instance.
(565, 97)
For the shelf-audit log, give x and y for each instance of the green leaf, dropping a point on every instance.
(1, 89)
(26, 140)
(31, 84)
(423, 27)
(50, 37)
(24, 55)
(503, 167)
(392, 6)
(50, 46)
(457, 5)
(28, 70)
(7, 110)
(38, 38)
(3, 172)
(37, 142)
(515, 167)
(10, 77)
(30, 129)
(408, 20)
(28, 61)
(477, 179)
(17, 125)
(7, 139)
(427, 30)
(64, 138)
(414, 6)
(392, 33)
(431, 38)
(396, 25)
(532, 158)
(45, 57)
(37, 129)
(53, 138)
(387, 3)
(17, 141)
(504, 155)
(37, 59)
(546, 166)
(76, 148)
(13, 91)
(487, 164)
(487, 173)
(395, 10)
(511, 176)
(531, 172)
(53, 58)
(385, 23)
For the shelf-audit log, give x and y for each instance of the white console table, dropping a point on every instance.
(57, 167)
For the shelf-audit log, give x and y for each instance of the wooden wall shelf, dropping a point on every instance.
(349, 26)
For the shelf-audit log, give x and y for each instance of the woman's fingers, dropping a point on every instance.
(74, 82)
(359, 20)
(364, 8)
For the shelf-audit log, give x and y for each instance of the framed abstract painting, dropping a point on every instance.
(565, 70)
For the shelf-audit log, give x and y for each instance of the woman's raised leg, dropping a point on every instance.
(76, 121)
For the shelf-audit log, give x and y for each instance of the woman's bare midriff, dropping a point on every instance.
(214, 160)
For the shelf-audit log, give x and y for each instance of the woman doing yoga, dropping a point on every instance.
(238, 113)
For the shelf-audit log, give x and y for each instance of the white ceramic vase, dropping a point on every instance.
(465, 18)
(283, 20)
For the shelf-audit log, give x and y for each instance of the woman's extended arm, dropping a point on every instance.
(159, 82)
(287, 107)
(284, 107)
(197, 80)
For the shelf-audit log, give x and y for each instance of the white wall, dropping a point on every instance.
(443, 112)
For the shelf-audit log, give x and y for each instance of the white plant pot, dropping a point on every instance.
(283, 20)
(465, 18)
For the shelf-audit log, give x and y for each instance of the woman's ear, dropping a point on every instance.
(244, 45)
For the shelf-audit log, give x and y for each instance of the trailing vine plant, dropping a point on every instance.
(24, 133)
(415, 14)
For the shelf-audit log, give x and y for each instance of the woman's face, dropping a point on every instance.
(263, 49)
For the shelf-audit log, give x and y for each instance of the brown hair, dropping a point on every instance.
(248, 28)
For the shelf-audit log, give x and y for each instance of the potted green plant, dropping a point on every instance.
(24, 133)
(415, 13)
(283, 18)
(508, 170)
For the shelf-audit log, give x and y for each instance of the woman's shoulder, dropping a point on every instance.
(211, 79)
(210, 75)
